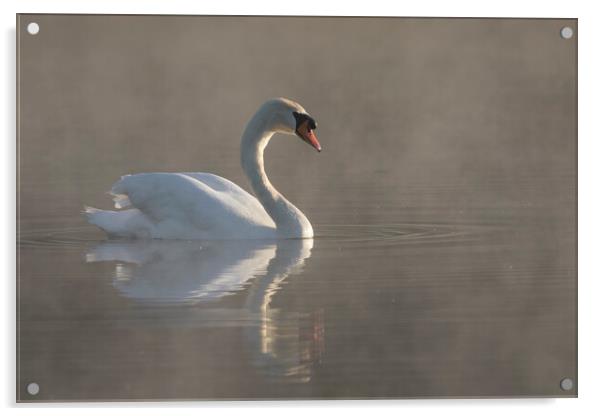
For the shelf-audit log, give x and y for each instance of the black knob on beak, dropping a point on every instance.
(300, 118)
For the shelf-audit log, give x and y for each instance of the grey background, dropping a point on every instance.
(430, 128)
(481, 105)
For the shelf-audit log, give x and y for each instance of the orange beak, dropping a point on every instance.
(308, 136)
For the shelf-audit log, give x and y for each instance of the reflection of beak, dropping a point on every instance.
(308, 136)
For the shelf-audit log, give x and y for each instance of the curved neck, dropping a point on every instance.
(290, 221)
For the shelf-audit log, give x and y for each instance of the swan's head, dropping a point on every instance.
(287, 116)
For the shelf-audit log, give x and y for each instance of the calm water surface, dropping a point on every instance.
(480, 304)
(444, 206)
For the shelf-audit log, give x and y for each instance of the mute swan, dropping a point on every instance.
(204, 206)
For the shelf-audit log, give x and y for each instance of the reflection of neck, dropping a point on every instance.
(290, 221)
(277, 340)
(290, 256)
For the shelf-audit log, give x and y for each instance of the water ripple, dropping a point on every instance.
(389, 234)
(402, 233)
(63, 237)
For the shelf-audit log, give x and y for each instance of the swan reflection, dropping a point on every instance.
(284, 344)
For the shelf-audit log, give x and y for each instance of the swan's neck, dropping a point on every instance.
(290, 221)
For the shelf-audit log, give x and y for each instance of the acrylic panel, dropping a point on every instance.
(427, 251)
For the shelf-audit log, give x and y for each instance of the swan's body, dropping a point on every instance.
(206, 206)
(185, 206)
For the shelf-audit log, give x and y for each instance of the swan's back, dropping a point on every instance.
(183, 206)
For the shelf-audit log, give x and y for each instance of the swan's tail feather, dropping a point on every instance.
(129, 223)
(99, 217)
(120, 200)
(119, 193)
(90, 211)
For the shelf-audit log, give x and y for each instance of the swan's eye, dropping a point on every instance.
(301, 118)
(303, 129)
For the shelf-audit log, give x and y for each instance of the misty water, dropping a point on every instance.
(469, 303)
(443, 203)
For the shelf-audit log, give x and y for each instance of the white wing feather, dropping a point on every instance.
(185, 205)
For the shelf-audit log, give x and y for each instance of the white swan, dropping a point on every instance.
(205, 206)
